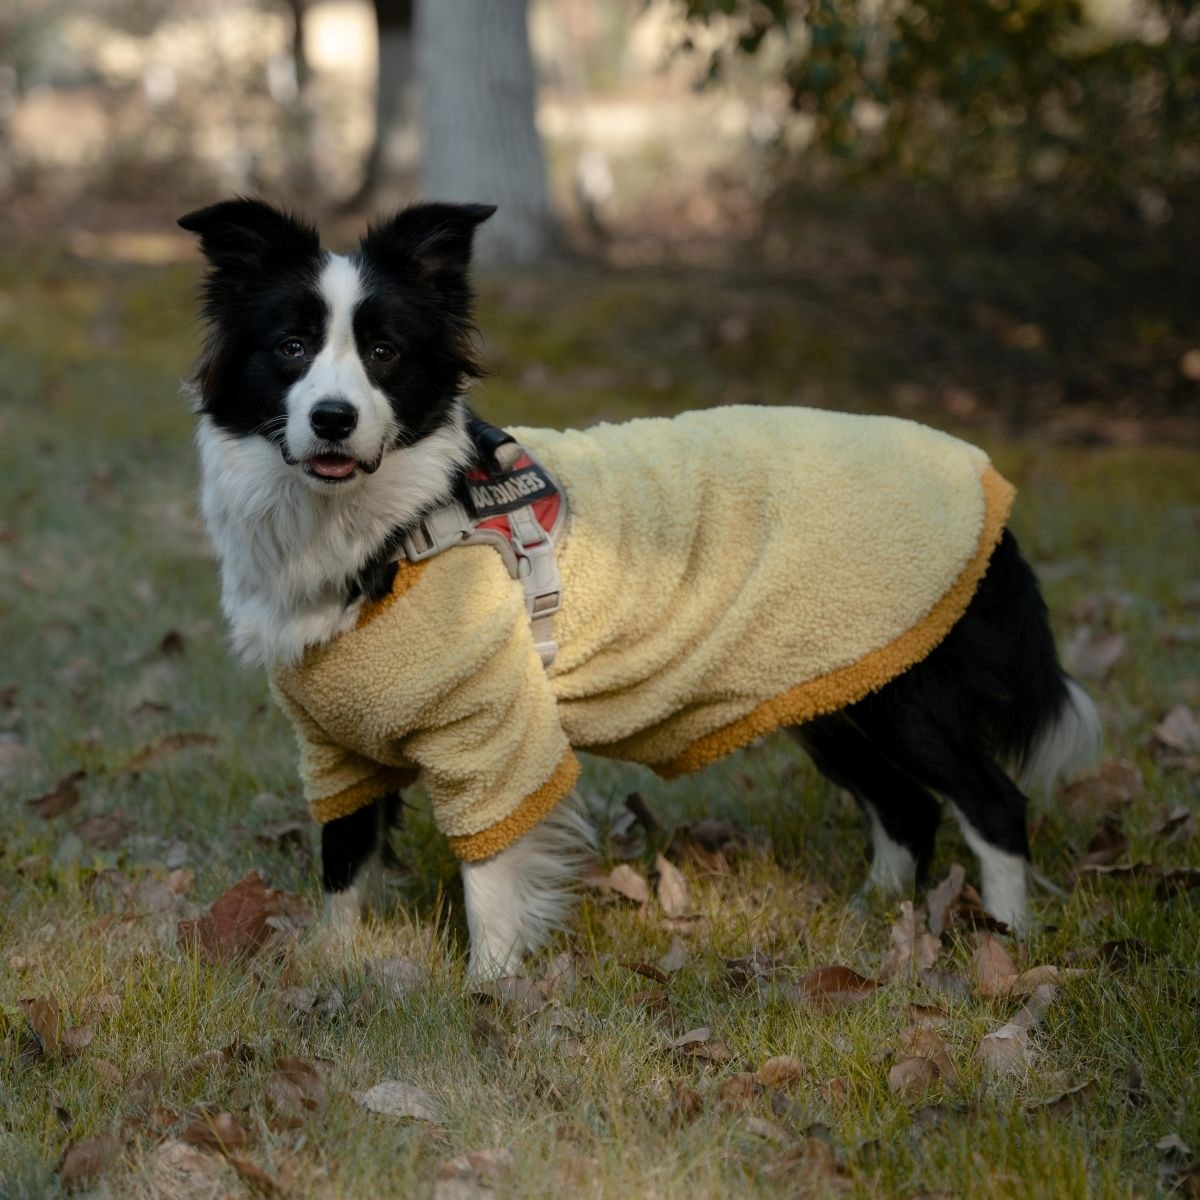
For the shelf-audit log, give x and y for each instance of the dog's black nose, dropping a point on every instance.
(333, 419)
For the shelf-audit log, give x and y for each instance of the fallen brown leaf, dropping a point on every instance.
(675, 958)
(392, 1098)
(913, 948)
(919, 1041)
(1115, 783)
(60, 799)
(911, 1078)
(1090, 655)
(216, 1131)
(397, 977)
(625, 881)
(699, 1044)
(1004, 1052)
(834, 986)
(45, 1017)
(256, 1178)
(836, 1091)
(1067, 1101)
(104, 831)
(649, 970)
(242, 920)
(559, 977)
(1177, 824)
(941, 900)
(672, 888)
(991, 963)
(781, 1071)
(712, 844)
(294, 1087)
(164, 747)
(740, 1090)
(1107, 844)
(488, 1166)
(755, 967)
(686, 1104)
(1179, 730)
(516, 992)
(88, 1158)
(760, 1127)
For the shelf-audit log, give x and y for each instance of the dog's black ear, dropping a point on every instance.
(246, 234)
(433, 238)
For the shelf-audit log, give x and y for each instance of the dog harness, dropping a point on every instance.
(516, 508)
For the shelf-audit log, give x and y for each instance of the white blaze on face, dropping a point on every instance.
(337, 373)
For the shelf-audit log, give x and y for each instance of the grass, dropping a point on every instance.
(102, 555)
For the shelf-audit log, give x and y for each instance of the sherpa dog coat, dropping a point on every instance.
(725, 573)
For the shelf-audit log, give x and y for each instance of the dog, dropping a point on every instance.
(333, 425)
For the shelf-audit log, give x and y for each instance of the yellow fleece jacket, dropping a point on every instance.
(725, 573)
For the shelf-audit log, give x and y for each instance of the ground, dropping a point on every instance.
(114, 1029)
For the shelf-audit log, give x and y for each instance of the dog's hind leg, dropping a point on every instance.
(903, 815)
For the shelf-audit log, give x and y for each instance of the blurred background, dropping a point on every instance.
(974, 212)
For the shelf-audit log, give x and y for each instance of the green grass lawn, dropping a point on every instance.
(112, 641)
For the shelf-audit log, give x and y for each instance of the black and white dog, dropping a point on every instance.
(331, 415)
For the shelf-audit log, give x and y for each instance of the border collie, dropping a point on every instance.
(330, 393)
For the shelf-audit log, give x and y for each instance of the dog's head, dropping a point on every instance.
(335, 360)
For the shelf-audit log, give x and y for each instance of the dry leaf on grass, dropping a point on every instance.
(216, 1131)
(740, 1090)
(756, 967)
(672, 888)
(625, 881)
(257, 1178)
(1115, 783)
(104, 831)
(913, 948)
(699, 1044)
(1090, 655)
(767, 1130)
(164, 747)
(1176, 824)
(512, 991)
(836, 1091)
(60, 799)
(675, 958)
(1107, 844)
(242, 920)
(991, 962)
(919, 1041)
(648, 970)
(1179, 730)
(941, 900)
(781, 1072)
(88, 1158)
(294, 1087)
(44, 1015)
(686, 1104)
(1004, 1052)
(488, 1166)
(834, 986)
(1067, 1101)
(178, 1165)
(911, 1078)
(393, 1098)
(559, 978)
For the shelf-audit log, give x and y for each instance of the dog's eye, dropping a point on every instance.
(291, 348)
(382, 352)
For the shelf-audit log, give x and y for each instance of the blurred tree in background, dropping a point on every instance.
(1096, 103)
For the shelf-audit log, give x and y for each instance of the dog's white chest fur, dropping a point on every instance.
(287, 550)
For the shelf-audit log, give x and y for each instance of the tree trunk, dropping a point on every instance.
(393, 148)
(479, 140)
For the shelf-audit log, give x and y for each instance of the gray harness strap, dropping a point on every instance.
(529, 555)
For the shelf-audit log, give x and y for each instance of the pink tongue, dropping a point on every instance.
(332, 466)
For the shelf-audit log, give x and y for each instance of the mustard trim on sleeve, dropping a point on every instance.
(350, 800)
(849, 684)
(475, 846)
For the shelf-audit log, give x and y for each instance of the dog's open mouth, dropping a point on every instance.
(335, 468)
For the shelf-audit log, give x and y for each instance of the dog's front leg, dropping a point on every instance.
(351, 852)
(516, 898)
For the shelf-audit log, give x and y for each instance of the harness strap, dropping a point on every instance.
(528, 554)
